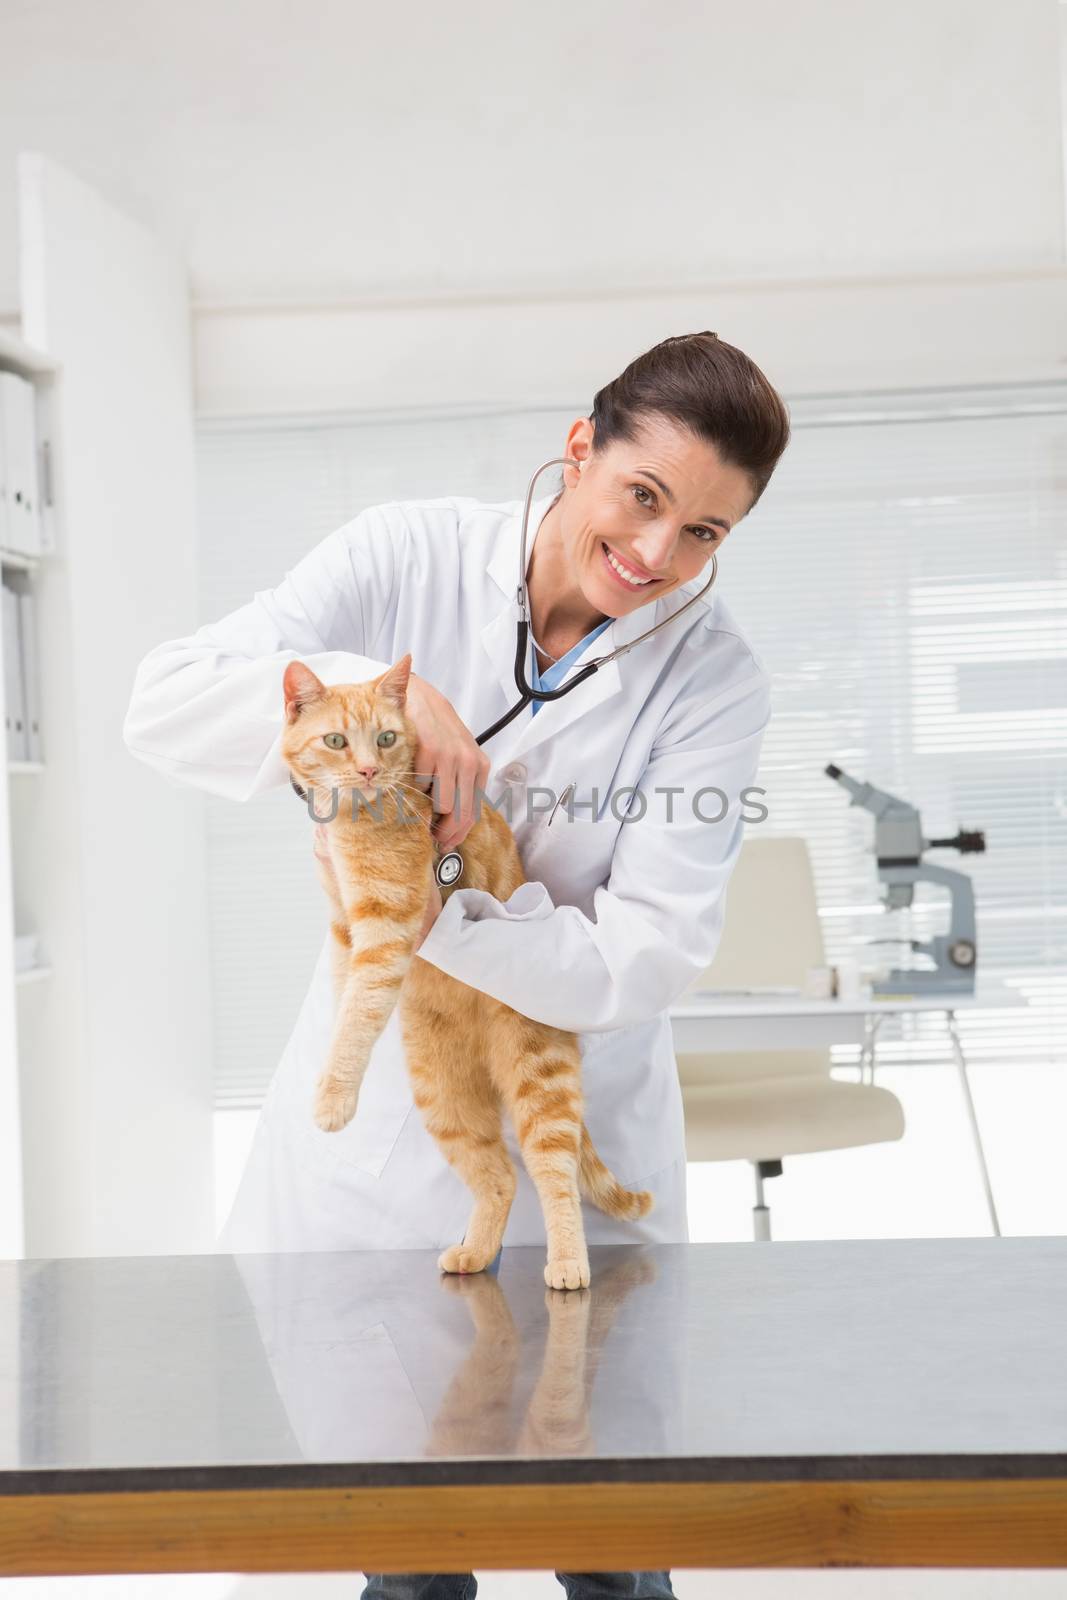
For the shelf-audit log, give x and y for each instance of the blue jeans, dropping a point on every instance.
(464, 1585)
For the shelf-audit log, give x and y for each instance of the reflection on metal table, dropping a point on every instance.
(884, 1403)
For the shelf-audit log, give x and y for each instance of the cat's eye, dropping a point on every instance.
(336, 741)
(387, 737)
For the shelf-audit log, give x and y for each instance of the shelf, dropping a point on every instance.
(25, 766)
(18, 356)
(32, 974)
(19, 561)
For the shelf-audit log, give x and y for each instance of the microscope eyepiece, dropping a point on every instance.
(967, 842)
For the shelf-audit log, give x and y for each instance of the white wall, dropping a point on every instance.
(810, 339)
(399, 206)
(344, 150)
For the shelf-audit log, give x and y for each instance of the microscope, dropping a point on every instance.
(898, 847)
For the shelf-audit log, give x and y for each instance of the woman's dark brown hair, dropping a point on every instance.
(711, 388)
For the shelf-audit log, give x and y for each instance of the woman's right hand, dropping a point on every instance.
(449, 755)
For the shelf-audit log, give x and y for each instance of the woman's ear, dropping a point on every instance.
(579, 450)
(301, 688)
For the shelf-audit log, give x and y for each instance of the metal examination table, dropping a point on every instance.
(852, 1403)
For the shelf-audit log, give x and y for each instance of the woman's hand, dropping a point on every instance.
(434, 907)
(449, 754)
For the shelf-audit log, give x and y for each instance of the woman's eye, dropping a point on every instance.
(336, 741)
(387, 737)
(705, 535)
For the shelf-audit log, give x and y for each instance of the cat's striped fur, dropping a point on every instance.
(470, 1057)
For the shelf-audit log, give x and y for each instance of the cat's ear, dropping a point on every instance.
(301, 688)
(393, 685)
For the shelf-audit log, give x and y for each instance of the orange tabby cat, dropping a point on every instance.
(470, 1057)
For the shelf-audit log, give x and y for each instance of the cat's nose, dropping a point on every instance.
(369, 772)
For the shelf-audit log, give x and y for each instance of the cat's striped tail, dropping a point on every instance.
(604, 1189)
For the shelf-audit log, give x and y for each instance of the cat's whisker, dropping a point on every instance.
(413, 787)
(394, 789)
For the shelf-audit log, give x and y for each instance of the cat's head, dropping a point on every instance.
(350, 735)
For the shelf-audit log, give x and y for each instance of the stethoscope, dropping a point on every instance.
(450, 866)
(526, 633)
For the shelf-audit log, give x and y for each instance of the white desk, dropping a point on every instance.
(719, 1022)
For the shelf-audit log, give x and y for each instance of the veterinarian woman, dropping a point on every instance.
(627, 876)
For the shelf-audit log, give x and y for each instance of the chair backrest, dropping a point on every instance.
(772, 933)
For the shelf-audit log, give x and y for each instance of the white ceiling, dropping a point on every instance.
(331, 150)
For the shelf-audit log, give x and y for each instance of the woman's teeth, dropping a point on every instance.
(624, 572)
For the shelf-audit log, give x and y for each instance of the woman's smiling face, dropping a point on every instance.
(643, 517)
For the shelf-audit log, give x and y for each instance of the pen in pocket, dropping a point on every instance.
(559, 801)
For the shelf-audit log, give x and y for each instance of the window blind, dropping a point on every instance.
(904, 579)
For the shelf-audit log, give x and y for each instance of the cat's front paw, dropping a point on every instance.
(460, 1258)
(567, 1272)
(335, 1104)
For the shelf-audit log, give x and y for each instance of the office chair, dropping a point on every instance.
(762, 1106)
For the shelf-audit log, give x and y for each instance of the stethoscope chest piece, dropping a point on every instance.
(449, 869)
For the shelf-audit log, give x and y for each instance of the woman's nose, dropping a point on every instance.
(654, 548)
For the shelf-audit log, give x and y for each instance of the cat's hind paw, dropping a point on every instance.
(567, 1272)
(335, 1104)
(460, 1258)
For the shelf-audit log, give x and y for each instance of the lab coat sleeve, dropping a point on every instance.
(657, 921)
(208, 710)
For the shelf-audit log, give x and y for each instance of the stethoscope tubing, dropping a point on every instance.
(526, 691)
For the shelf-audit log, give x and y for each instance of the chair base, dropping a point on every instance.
(761, 1213)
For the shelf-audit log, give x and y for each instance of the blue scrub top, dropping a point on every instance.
(553, 674)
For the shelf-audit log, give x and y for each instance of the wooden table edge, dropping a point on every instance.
(566, 1527)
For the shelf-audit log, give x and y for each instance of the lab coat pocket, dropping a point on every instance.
(571, 854)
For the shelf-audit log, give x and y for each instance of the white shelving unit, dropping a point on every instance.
(32, 974)
(23, 908)
(105, 1048)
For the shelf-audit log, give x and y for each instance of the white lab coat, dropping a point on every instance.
(616, 920)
